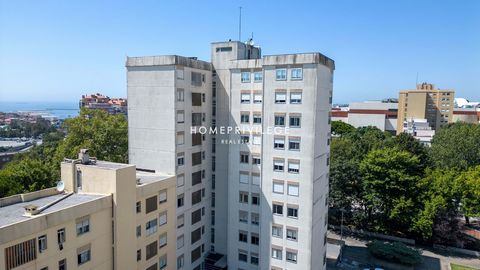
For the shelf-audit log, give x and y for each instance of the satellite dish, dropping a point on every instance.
(60, 186)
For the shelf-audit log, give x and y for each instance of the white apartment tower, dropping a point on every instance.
(263, 189)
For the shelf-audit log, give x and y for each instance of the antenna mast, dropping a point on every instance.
(240, 25)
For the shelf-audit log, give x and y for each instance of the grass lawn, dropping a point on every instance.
(461, 267)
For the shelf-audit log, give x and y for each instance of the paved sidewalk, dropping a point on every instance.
(356, 251)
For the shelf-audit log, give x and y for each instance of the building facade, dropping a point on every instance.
(264, 180)
(425, 102)
(109, 216)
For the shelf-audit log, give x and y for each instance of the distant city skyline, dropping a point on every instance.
(57, 51)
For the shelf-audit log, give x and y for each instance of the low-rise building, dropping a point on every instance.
(108, 216)
(102, 102)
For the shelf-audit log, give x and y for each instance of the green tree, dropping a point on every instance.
(390, 177)
(469, 183)
(105, 135)
(341, 128)
(456, 145)
(407, 142)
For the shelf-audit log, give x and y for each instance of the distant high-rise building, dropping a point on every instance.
(259, 189)
(425, 102)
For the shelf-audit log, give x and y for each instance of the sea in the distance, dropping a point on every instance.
(61, 110)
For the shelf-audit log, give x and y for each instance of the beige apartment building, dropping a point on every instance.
(109, 216)
(425, 102)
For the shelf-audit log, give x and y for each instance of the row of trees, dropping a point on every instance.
(104, 135)
(21, 128)
(396, 185)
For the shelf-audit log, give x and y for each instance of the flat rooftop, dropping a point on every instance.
(15, 213)
(150, 177)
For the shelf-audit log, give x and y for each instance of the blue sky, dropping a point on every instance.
(57, 50)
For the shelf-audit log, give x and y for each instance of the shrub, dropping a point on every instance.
(395, 252)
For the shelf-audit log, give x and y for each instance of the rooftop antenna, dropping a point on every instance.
(240, 25)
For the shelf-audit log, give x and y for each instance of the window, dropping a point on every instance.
(257, 98)
(245, 139)
(180, 241)
(242, 256)
(138, 207)
(278, 187)
(180, 117)
(294, 143)
(245, 117)
(151, 227)
(258, 76)
(196, 235)
(296, 98)
(197, 119)
(153, 267)
(139, 231)
(196, 197)
(292, 211)
(150, 204)
(62, 264)
(255, 160)
(243, 197)
(151, 250)
(281, 74)
(196, 99)
(292, 189)
(83, 226)
(277, 209)
(180, 74)
(279, 143)
(279, 120)
(280, 97)
(244, 177)
(291, 256)
(180, 261)
(243, 216)
(180, 180)
(139, 255)
(245, 77)
(180, 200)
(255, 179)
(42, 243)
(83, 255)
(20, 254)
(294, 121)
(196, 79)
(245, 98)
(196, 139)
(293, 166)
(277, 253)
(256, 139)
(61, 238)
(163, 196)
(277, 231)
(254, 239)
(255, 199)
(180, 221)
(162, 220)
(244, 158)
(292, 234)
(255, 218)
(278, 165)
(180, 159)
(180, 94)
(162, 264)
(196, 178)
(196, 158)
(296, 73)
(243, 236)
(257, 118)
(196, 216)
(254, 258)
(180, 138)
(224, 49)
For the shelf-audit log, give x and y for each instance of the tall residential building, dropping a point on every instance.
(425, 102)
(260, 180)
(109, 216)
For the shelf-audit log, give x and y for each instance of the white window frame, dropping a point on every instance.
(279, 142)
(162, 219)
(278, 187)
(151, 227)
(293, 189)
(278, 97)
(294, 98)
(257, 98)
(245, 77)
(244, 178)
(296, 74)
(277, 253)
(245, 98)
(278, 163)
(294, 166)
(180, 117)
(258, 78)
(281, 74)
(279, 229)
